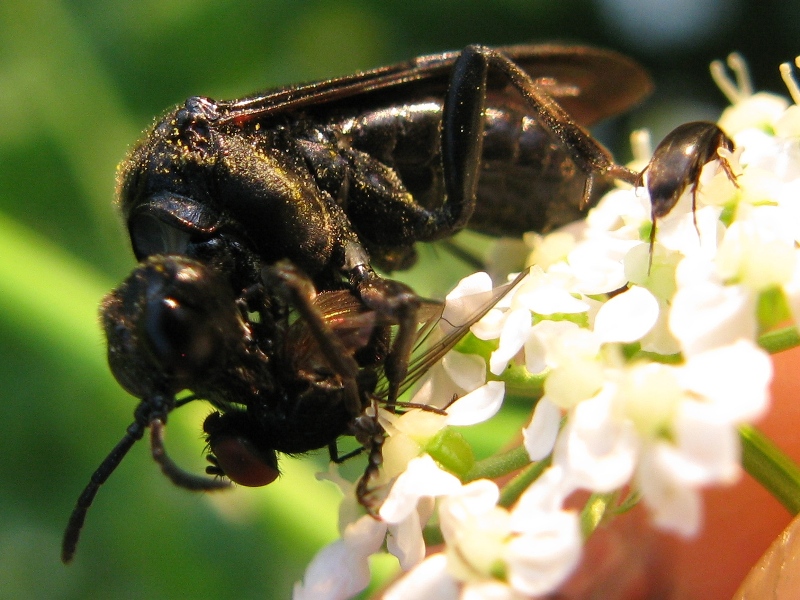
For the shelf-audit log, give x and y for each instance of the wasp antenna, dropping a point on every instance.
(78, 516)
(175, 474)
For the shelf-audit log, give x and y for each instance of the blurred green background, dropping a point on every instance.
(79, 80)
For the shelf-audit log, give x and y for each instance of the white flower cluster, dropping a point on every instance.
(650, 363)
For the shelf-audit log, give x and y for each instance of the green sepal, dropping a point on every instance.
(452, 451)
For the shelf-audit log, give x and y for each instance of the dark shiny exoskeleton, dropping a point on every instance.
(676, 164)
(258, 223)
(348, 173)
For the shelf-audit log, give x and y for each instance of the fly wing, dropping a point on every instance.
(345, 316)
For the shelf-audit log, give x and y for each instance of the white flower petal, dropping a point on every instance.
(618, 207)
(648, 395)
(597, 265)
(758, 251)
(735, 378)
(552, 298)
(515, 331)
(660, 339)
(478, 406)
(405, 541)
(417, 424)
(427, 580)
(756, 112)
(542, 558)
(421, 478)
(489, 590)
(546, 340)
(627, 317)
(707, 315)
(549, 249)
(469, 295)
(468, 371)
(677, 230)
(436, 388)
(490, 326)
(540, 434)
(598, 452)
(673, 505)
(341, 570)
(535, 352)
(471, 501)
(545, 496)
(707, 449)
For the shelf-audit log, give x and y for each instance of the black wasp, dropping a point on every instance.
(258, 223)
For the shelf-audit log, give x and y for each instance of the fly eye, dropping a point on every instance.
(241, 462)
(181, 337)
(233, 453)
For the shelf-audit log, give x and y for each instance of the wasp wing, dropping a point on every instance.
(590, 83)
(437, 335)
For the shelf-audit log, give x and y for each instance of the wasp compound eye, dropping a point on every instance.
(151, 236)
(182, 338)
(234, 456)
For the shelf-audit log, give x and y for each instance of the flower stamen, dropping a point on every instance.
(788, 79)
(641, 145)
(734, 91)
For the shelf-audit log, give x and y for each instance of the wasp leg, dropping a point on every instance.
(371, 435)
(333, 453)
(589, 155)
(403, 406)
(463, 125)
(396, 304)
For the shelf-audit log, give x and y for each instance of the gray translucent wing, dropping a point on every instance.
(437, 336)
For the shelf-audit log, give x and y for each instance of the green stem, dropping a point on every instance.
(779, 340)
(522, 384)
(432, 534)
(498, 465)
(602, 507)
(765, 462)
(513, 490)
(594, 511)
